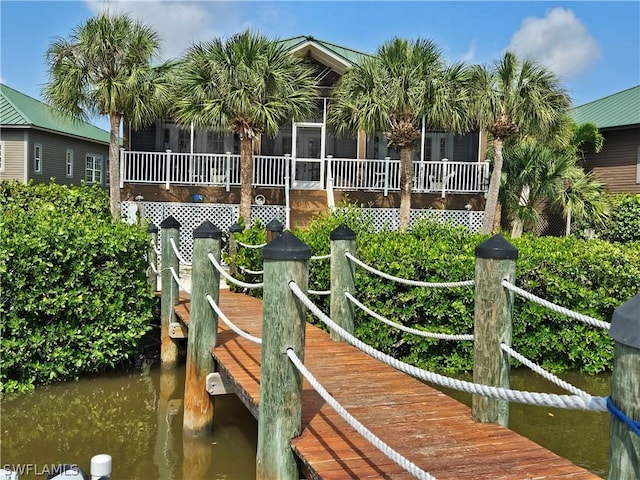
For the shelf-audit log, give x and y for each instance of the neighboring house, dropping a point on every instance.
(618, 119)
(37, 143)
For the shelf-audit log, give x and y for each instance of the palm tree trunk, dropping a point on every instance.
(246, 190)
(406, 177)
(518, 222)
(494, 189)
(567, 230)
(114, 165)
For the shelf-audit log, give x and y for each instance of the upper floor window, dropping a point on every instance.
(93, 172)
(69, 163)
(37, 158)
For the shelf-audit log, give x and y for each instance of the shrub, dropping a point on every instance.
(623, 226)
(74, 296)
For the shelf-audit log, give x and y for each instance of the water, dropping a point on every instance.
(137, 419)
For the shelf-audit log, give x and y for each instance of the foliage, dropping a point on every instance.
(104, 68)
(623, 224)
(74, 295)
(590, 277)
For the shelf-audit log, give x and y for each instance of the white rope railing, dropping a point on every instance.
(230, 324)
(556, 308)
(413, 283)
(154, 269)
(319, 292)
(321, 257)
(251, 272)
(230, 278)
(422, 333)
(157, 250)
(532, 398)
(367, 434)
(542, 372)
(177, 252)
(176, 277)
(246, 245)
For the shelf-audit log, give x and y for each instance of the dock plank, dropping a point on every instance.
(429, 428)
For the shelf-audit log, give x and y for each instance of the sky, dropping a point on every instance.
(593, 46)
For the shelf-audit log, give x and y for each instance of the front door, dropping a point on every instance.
(308, 156)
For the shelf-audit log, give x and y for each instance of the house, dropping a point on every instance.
(306, 167)
(618, 119)
(37, 143)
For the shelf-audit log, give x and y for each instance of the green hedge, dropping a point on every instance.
(591, 277)
(623, 225)
(74, 297)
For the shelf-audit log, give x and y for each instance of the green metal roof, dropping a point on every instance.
(348, 54)
(20, 110)
(617, 110)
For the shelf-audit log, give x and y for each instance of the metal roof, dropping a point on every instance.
(20, 110)
(349, 55)
(618, 110)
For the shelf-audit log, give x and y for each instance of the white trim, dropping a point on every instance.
(68, 171)
(94, 157)
(3, 159)
(638, 165)
(327, 57)
(37, 159)
(25, 153)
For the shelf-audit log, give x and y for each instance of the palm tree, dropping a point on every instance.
(514, 98)
(247, 84)
(582, 197)
(393, 91)
(104, 68)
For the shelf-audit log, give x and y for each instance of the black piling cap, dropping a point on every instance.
(274, 225)
(152, 228)
(497, 247)
(207, 230)
(170, 222)
(625, 323)
(343, 233)
(286, 247)
(236, 228)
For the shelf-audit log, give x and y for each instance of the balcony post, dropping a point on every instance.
(386, 175)
(228, 171)
(167, 169)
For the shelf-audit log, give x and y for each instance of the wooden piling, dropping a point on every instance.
(152, 258)
(203, 330)
(343, 240)
(286, 258)
(168, 346)
(624, 444)
(495, 262)
(274, 228)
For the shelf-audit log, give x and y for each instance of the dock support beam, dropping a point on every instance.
(203, 330)
(624, 444)
(169, 299)
(286, 258)
(343, 240)
(495, 262)
(152, 258)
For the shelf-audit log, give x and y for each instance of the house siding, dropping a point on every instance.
(54, 151)
(616, 164)
(14, 154)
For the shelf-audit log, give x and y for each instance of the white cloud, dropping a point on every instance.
(180, 24)
(560, 41)
(470, 54)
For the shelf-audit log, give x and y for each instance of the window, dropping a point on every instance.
(215, 142)
(2, 157)
(93, 169)
(69, 163)
(37, 158)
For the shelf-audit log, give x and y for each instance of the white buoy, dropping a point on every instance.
(100, 466)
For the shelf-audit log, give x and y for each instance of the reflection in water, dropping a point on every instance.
(138, 421)
(135, 419)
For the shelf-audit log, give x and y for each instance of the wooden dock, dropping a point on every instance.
(432, 430)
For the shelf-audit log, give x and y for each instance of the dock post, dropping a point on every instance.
(152, 258)
(203, 330)
(233, 247)
(274, 228)
(168, 346)
(495, 262)
(286, 258)
(343, 240)
(624, 444)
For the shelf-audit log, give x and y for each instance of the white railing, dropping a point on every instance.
(271, 171)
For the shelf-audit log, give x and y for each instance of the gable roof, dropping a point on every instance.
(618, 110)
(328, 52)
(20, 110)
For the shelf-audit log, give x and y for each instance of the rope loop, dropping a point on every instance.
(218, 267)
(177, 252)
(246, 245)
(620, 415)
(230, 324)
